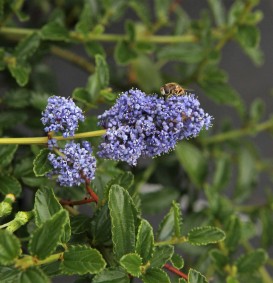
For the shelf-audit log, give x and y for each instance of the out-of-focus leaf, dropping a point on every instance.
(6, 154)
(233, 233)
(222, 173)
(85, 22)
(27, 46)
(219, 259)
(196, 277)
(218, 10)
(9, 185)
(162, 10)
(124, 53)
(20, 70)
(10, 247)
(257, 110)
(141, 8)
(54, 30)
(33, 274)
(267, 224)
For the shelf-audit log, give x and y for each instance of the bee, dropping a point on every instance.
(170, 89)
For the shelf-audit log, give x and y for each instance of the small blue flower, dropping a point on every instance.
(61, 115)
(74, 165)
(149, 125)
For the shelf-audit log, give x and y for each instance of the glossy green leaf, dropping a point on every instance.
(10, 247)
(82, 260)
(27, 46)
(132, 264)
(124, 221)
(252, 261)
(177, 261)
(188, 52)
(145, 241)
(33, 274)
(6, 154)
(155, 275)
(196, 277)
(46, 238)
(193, 162)
(113, 275)
(41, 165)
(9, 185)
(124, 52)
(161, 255)
(205, 235)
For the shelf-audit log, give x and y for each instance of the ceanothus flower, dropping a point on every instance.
(149, 125)
(61, 115)
(74, 165)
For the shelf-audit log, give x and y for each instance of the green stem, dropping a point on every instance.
(239, 133)
(21, 218)
(173, 241)
(43, 140)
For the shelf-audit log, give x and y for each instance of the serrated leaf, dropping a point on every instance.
(124, 53)
(82, 260)
(196, 277)
(252, 261)
(27, 46)
(6, 154)
(132, 264)
(10, 247)
(155, 275)
(188, 52)
(123, 221)
(41, 165)
(113, 275)
(145, 241)
(177, 261)
(205, 235)
(9, 185)
(193, 162)
(20, 70)
(46, 238)
(161, 255)
(45, 206)
(33, 274)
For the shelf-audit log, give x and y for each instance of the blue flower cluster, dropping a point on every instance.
(61, 115)
(149, 125)
(74, 164)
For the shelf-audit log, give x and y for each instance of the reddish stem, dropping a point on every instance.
(176, 271)
(76, 202)
(92, 194)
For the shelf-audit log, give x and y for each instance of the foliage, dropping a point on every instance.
(53, 235)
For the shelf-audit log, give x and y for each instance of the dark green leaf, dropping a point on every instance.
(222, 173)
(41, 165)
(219, 259)
(248, 36)
(233, 233)
(9, 274)
(18, 98)
(79, 224)
(196, 277)
(177, 261)
(93, 48)
(33, 274)
(267, 224)
(123, 221)
(6, 154)
(54, 30)
(155, 275)
(252, 261)
(205, 235)
(193, 162)
(145, 241)
(20, 70)
(257, 110)
(113, 275)
(82, 260)
(132, 264)
(161, 255)
(9, 185)
(46, 238)
(124, 52)
(188, 52)
(27, 46)
(10, 247)
(130, 30)
(85, 22)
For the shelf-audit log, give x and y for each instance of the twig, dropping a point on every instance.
(175, 271)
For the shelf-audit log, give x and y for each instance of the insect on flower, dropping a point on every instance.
(170, 89)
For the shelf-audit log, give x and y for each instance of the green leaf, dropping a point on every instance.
(46, 238)
(20, 70)
(248, 36)
(155, 275)
(252, 261)
(41, 165)
(124, 53)
(82, 260)
(193, 162)
(196, 277)
(162, 10)
(113, 275)
(177, 261)
(123, 221)
(153, 202)
(132, 264)
(141, 8)
(161, 255)
(6, 154)
(102, 71)
(27, 46)
(222, 173)
(93, 48)
(257, 110)
(145, 241)
(54, 30)
(233, 233)
(33, 274)
(171, 224)
(9, 274)
(130, 30)
(266, 217)
(188, 52)
(247, 175)
(9, 185)
(10, 248)
(85, 23)
(218, 10)
(219, 259)
(205, 235)
(79, 224)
